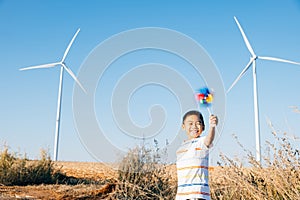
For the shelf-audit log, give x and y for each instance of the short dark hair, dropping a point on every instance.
(197, 113)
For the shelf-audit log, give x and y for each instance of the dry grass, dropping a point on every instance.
(277, 178)
(17, 170)
(77, 180)
(142, 175)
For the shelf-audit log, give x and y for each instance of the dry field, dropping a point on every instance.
(98, 173)
(140, 177)
(98, 181)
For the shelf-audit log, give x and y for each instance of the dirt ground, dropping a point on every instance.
(95, 172)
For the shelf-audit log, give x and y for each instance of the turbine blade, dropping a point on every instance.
(73, 76)
(69, 46)
(241, 74)
(278, 59)
(40, 66)
(245, 38)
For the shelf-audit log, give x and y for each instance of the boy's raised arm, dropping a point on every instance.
(213, 121)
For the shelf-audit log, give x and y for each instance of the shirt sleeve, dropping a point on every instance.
(202, 145)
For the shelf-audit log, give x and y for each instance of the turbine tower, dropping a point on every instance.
(252, 62)
(63, 67)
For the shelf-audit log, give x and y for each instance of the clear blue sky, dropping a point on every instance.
(37, 32)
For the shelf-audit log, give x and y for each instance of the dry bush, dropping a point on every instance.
(277, 178)
(18, 170)
(142, 175)
(15, 170)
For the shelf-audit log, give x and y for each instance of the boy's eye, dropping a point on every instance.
(196, 123)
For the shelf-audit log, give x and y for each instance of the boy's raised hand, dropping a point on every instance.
(213, 121)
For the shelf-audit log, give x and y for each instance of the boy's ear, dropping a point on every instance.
(182, 126)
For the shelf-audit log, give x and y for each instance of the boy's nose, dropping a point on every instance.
(194, 125)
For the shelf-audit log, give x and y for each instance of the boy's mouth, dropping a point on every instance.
(194, 133)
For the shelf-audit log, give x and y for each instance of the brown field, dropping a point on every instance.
(88, 180)
(139, 177)
(98, 172)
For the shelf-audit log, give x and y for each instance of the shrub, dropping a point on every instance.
(15, 170)
(277, 178)
(142, 175)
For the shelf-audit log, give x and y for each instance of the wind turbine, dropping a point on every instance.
(252, 62)
(63, 67)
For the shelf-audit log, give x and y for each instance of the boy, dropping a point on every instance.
(192, 157)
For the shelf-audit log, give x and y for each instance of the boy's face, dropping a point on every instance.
(192, 126)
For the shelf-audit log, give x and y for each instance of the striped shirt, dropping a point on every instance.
(192, 170)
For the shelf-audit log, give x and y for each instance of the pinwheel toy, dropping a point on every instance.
(204, 96)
